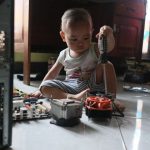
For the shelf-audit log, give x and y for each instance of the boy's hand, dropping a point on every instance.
(105, 30)
(36, 94)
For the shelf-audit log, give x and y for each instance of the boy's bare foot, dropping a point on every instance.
(79, 96)
(119, 105)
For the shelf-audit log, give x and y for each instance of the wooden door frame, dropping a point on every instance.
(27, 43)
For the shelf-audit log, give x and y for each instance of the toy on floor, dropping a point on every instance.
(136, 89)
(18, 94)
(100, 105)
(29, 108)
(66, 112)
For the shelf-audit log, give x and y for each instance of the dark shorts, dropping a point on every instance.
(74, 86)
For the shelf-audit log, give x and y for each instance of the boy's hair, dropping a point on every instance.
(75, 15)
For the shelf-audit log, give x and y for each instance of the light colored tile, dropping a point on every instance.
(136, 133)
(137, 103)
(121, 133)
(89, 134)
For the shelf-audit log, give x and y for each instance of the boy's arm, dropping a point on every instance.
(54, 71)
(52, 74)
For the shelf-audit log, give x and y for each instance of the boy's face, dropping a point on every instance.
(77, 37)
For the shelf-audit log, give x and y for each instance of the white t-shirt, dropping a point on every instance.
(80, 67)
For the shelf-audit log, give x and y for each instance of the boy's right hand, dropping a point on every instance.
(36, 94)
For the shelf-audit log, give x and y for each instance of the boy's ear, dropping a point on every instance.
(62, 34)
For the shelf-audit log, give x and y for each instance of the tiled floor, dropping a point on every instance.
(129, 133)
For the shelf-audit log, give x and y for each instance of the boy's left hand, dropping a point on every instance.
(105, 30)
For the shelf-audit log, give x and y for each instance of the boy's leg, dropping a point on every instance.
(110, 76)
(111, 81)
(51, 92)
(57, 93)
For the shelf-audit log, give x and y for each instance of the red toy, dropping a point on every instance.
(98, 106)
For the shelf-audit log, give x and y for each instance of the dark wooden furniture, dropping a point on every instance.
(125, 17)
(128, 25)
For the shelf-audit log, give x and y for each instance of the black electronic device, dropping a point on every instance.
(6, 70)
(102, 45)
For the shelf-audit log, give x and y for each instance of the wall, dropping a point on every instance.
(44, 25)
